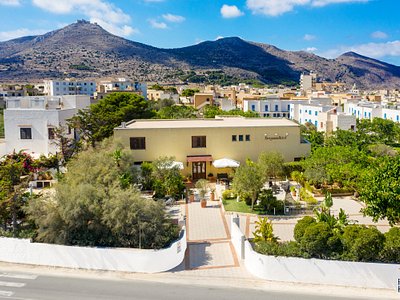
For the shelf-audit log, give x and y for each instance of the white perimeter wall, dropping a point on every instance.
(112, 259)
(291, 269)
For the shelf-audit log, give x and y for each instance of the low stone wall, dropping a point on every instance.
(111, 259)
(317, 271)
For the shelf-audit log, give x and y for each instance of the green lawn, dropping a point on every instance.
(233, 205)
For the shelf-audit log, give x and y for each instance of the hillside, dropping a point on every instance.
(85, 50)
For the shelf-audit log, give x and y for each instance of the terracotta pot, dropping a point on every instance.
(212, 197)
(203, 203)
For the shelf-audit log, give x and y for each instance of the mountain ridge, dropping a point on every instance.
(86, 50)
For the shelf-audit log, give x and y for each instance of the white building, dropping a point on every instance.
(69, 87)
(307, 81)
(29, 122)
(370, 110)
(122, 85)
(324, 116)
(272, 107)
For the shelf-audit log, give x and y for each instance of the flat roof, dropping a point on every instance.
(210, 123)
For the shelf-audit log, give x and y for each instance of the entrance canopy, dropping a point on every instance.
(197, 158)
(226, 163)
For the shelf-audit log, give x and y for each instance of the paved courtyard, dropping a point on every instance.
(284, 226)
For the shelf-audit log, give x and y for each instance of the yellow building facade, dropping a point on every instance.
(197, 143)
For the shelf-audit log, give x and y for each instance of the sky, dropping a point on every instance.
(325, 27)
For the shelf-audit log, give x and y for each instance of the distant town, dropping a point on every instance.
(327, 106)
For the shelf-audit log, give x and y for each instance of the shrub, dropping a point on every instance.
(391, 250)
(301, 227)
(290, 167)
(268, 202)
(291, 249)
(228, 194)
(264, 231)
(362, 243)
(307, 197)
(315, 240)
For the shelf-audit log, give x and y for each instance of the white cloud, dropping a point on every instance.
(309, 37)
(173, 18)
(374, 50)
(158, 25)
(10, 2)
(218, 38)
(320, 3)
(13, 34)
(102, 12)
(311, 49)
(379, 35)
(279, 7)
(230, 11)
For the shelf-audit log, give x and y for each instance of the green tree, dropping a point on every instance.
(98, 121)
(177, 112)
(14, 175)
(91, 206)
(380, 190)
(167, 178)
(156, 87)
(189, 92)
(248, 180)
(310, 133)
(271, 164)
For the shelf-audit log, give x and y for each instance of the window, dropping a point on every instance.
(51, 133)
(266, 108)
(247, 137)
(240, 137)
(25, 133)
(322, 124)
(316, 113)
(138, 143)
(253, 107)
(276, 107)
(234, 138)
(288, 107)
(198, 142)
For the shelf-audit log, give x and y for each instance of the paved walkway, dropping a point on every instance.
(208, 237)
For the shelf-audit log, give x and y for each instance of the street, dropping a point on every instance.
(28, 286)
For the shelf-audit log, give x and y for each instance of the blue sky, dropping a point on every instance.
(325, 27)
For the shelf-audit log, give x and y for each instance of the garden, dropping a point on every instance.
(325, 236)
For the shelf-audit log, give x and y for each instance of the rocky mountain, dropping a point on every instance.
(85, 50)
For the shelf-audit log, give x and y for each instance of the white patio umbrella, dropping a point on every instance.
(177, 164)
(225, 163)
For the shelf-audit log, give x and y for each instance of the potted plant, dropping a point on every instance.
(202, 185)
(191, 196)
(293, 191)
(212, 195)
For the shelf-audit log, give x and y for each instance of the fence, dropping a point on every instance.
(23, 251)
(293, 269)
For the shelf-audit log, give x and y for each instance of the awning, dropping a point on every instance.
(226, 163)
(197, 158)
